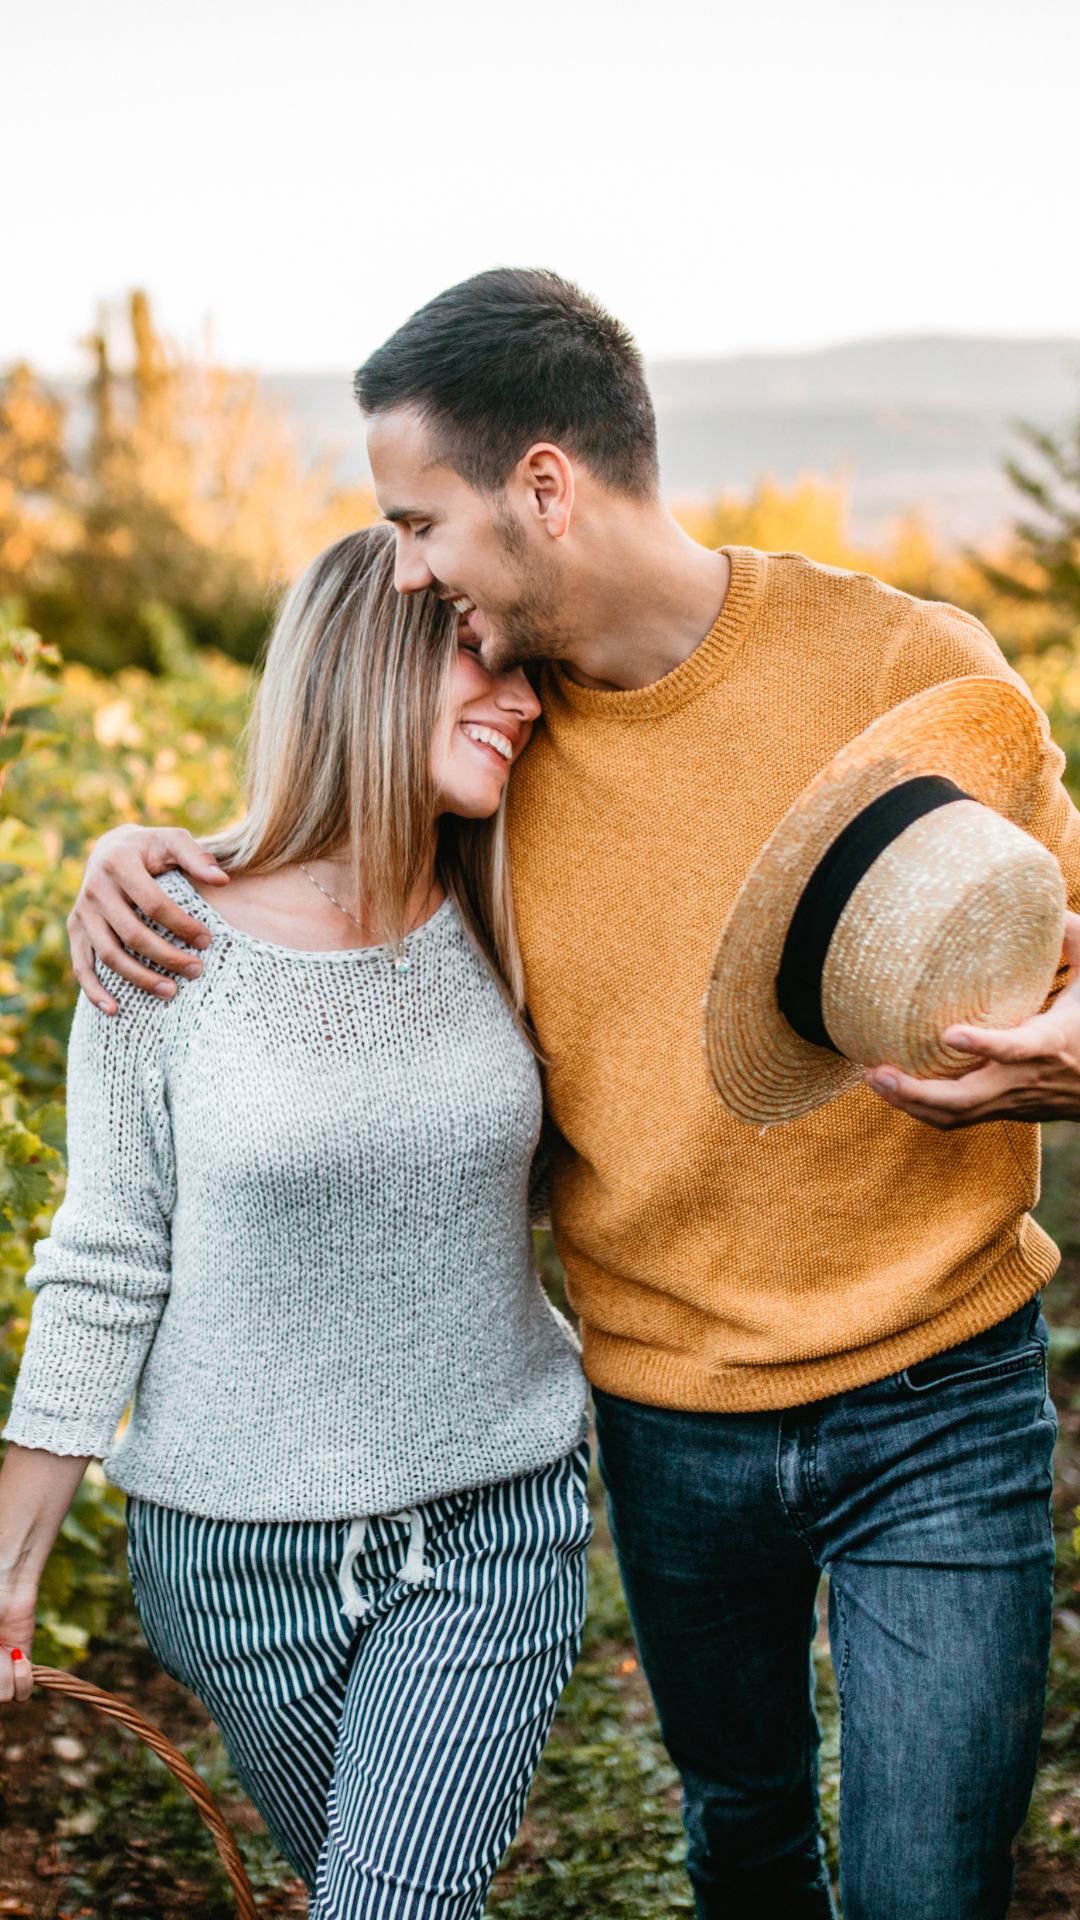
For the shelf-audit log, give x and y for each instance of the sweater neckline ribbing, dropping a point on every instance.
(708, 661)
(438, 920)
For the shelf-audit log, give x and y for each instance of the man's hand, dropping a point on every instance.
(103, 920)
(1032, 1072)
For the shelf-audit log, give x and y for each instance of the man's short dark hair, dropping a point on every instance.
(511, 357)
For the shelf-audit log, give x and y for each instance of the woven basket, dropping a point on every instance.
(117, 1709)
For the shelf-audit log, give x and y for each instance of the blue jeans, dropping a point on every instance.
(925, 1497)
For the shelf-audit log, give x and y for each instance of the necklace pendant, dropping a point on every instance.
(402, 966)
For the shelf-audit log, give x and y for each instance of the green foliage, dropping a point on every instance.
(29, 1160)
(1044, 573)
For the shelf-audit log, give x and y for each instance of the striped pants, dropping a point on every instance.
(391, 1752)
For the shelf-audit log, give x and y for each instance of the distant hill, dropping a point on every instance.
(921, 421)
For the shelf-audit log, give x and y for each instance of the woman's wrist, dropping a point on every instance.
(22, 1562)
(36, 1491)
(25, 1548)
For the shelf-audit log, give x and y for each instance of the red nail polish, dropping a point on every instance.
(16, 1653)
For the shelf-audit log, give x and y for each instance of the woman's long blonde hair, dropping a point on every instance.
(356, 676)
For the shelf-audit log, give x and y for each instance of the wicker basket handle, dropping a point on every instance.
(117, 1709)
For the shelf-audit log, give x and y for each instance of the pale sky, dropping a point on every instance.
(300, 174)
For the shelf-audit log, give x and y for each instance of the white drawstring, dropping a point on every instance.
(416, 1569)
(414, 1572)
(354, 1604)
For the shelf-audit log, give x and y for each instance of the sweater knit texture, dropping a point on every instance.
(715, 1267)
(296, 1229)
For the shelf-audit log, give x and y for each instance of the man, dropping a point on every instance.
(814, 1351)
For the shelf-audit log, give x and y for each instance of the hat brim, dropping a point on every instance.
(984, 734)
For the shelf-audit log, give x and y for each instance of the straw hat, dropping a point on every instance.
(897, 896)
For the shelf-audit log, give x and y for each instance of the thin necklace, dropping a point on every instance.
(401, 965)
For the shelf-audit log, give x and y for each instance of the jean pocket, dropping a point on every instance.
(1012, 1347)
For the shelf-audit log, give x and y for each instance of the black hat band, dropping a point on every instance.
(830, 887)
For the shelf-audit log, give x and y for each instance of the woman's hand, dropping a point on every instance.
(18, 1606)
(103, 921)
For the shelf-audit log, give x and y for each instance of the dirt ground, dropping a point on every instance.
(46, 1793)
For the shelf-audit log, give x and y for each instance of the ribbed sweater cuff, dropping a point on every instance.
(51, 1433)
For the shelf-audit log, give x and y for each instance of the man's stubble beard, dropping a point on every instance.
(523, 636)
(533, 627)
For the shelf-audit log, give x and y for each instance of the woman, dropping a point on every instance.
(296, 1227)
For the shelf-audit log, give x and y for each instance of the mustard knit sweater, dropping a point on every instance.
(714, 1267)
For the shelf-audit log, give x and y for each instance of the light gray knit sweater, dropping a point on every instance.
(296, 1229)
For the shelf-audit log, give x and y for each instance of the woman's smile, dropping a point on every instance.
(490, 741)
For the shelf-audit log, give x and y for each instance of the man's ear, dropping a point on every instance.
(546, 477)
